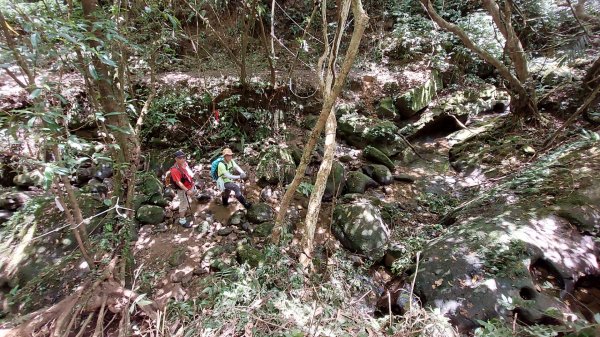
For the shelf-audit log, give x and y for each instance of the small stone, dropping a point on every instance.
(346, 159)
(198, 271)
(405, 178)
(224, 231)
(528, 149)
(161, 227)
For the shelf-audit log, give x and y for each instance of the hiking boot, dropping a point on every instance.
(244, 202)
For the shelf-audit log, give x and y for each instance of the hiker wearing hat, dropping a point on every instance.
(182, 177)
(225, 180)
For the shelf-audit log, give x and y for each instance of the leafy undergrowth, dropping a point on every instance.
(278, 299)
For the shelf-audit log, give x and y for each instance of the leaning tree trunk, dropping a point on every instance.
(361, 18)
(326, 80)
(314, 204)
(524, 105)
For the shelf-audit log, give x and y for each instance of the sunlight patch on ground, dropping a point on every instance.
(491, 284)
(475, 178)
(18, 254)
(448, 307)
(546, 234)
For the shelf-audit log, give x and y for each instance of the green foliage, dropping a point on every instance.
(411, 246)
(500, 328)
(168, 108)
(437, 203)
(505, 260)
(240, 122)
(305, 188)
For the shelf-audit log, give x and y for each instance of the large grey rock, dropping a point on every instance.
(150, 214)
(276, 165)
(103, 171)
(360, 228)
(96, 187)
(335, 181)
(526, 245)
(376, 156)
(358, 182)
(419, 98)
(580, 208)
(379, 173)
(360, 131)
(83, 175)
(442, 118)
(550, 72)
(12, 201)
(259, 213)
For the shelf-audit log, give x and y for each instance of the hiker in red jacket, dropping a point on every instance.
(182, 176)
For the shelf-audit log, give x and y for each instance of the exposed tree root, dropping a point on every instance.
(72, 316)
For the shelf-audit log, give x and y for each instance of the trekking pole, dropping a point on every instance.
(189, 203)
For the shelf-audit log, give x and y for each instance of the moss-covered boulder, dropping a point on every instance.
(237, 218)
(360, 131)
(451, 112)
(276, 165)
(358, 182)
(550, 72)
(158, 200)
(150, 214)
(376, 156)
(419, 98)
(386, 109)
(150, 185)
(360, 228)
(250, 255)
(259, 213)
(380, 173)
(29, 179)
(335, 181)
(96, 187)
(264, 229)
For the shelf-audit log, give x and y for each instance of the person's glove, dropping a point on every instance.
(189, 192)
(243, 175)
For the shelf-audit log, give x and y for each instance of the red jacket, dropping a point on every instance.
(182, 174)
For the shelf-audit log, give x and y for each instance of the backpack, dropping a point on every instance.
(170, 183)
(214, 168)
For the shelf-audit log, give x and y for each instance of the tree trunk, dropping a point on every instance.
(75, 225)
(361, 18)
(265, 42)
(524, 103)
(314, 204)
(502, 19)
